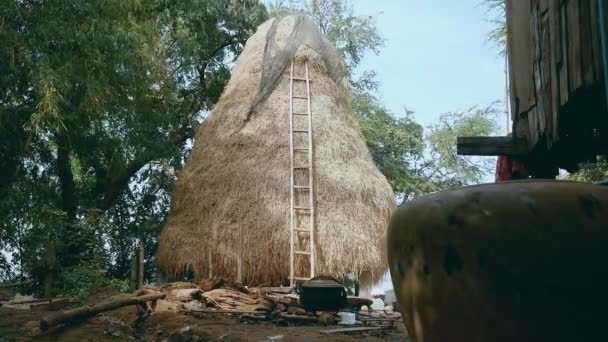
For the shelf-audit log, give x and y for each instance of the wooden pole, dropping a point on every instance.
(209, 262)
(133, 275)
(51, 264)
(239, 261)
(92, 310)
(140, 275)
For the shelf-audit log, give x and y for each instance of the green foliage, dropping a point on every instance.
(496, 12)
(449, 169)
(416, 162)
(119, 285)
(396, 144)
(83, 279)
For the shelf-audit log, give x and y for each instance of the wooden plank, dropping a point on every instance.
(540, 113)
(595, 40)
(556, 52)
(345, 330)
(520, 56)
(544, 6)
(556, 30)
(546, 66)
(586, 42)
(490, 146)
(533, 127)
(574, 46)
(564, 75)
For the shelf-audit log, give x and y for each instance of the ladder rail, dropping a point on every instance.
(310, 176)
(291, 195)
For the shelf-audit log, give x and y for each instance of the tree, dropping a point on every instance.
(396, 144)
(417, 163)
(448, 168)
(93, 107)
(496, 10)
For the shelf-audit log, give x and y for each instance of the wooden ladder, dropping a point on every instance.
(298, 209)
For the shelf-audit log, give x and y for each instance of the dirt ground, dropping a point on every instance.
(118, 325)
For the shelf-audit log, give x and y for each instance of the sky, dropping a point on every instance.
(436, 57)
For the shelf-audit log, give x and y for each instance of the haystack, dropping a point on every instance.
(235, 190)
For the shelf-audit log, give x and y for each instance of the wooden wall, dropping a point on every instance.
(555, 57)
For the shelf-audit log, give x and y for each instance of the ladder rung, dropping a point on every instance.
(300, 97)
(302, 252)
(300, 131)
(301, 278)
(305, 114)
(301, 167)
(301, 208)
(302, 230)
(300, 148)
(300, 79)
(301, 187)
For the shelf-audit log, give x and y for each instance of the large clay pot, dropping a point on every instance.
(517, 261)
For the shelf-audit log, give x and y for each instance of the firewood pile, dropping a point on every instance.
(216, 299)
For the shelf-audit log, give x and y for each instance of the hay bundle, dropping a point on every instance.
(238, 177)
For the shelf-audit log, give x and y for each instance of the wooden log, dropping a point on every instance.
(21, 283)
(345, 330)
(234, 312)
(270, 289)
(92, 310)
(490, 146)
(298, 318)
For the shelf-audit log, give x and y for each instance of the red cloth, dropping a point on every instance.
(508, 168)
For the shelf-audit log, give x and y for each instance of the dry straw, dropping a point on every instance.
(238, 177)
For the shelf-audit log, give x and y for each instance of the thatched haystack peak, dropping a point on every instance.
(232, 198)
